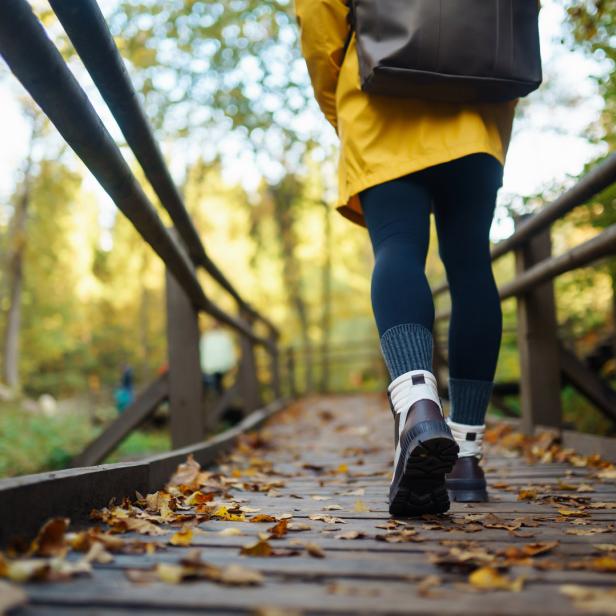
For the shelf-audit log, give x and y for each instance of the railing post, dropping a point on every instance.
(247, 374)
(291, 372)
(538, 341)
(187, 420)
(274, 353)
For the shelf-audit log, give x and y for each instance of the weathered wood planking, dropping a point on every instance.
(345, 447)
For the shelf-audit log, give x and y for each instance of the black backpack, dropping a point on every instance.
(448, 50)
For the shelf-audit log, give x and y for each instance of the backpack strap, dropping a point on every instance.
(351, 22)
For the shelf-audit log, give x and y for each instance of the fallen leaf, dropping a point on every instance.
(298, 526)
(260, 548)
(182, 537)
(262, 517)
(605, 547)
(223, 513)
(591, 599)
(316, 551)
(186, 474)
(351, 535)
(426, 587)
(328, 519)
(360, 506)
(230, 532)
(279, 529)
(51, 540)
(11, 596)
(488, 578)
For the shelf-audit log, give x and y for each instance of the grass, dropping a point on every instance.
(31, 442)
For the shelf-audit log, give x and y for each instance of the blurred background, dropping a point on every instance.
(82, 314)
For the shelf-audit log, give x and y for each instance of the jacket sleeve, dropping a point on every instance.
(323, 32)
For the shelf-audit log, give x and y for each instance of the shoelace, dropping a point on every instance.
(469, 438)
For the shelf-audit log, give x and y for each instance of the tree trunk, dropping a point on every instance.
(326, 314)
(282, 198)
(15, 284)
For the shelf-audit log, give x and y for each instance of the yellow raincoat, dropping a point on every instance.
(383, 138)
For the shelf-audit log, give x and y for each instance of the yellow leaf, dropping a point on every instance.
(182, 537)
(360, 506)
(488, 578)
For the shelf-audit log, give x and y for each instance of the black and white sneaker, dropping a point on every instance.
(425, 448)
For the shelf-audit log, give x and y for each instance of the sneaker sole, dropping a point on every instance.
(420, 487)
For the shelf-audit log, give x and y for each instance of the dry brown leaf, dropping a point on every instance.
(351, 535)
(426, 587)
(527, 494)
(591, 599)
(358, 492)
(528, 550)
(142, 527)
(262, 518)
(51, 539)
(187, 474)
(260, 548)
(298, 526)
(11, 596)
(328, 519)
(586, 532)
(279, 529)
(98, 554)
(605, 547)
(316, 551)
(602, 505)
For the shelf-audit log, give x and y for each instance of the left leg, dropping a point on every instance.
(464, 208)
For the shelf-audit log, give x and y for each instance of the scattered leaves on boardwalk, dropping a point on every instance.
(296, 515)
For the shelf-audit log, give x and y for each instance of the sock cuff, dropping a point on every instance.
(469, 400)
(407, 347)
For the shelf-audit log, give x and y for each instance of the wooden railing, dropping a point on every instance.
(39, 66)
(544, 361)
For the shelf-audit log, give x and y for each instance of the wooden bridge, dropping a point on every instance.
(293, 518)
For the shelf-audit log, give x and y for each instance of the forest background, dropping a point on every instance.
(82, 296)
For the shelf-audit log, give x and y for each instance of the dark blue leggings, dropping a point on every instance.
(462, 195)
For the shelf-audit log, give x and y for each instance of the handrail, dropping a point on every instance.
(38, 64)
(598, 179)
(601, 246)
(87, 29)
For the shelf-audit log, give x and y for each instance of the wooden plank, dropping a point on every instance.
(538, 342)
(145, 404)
(27, 501)
(590, 444)
(346, 596)
(187, 418)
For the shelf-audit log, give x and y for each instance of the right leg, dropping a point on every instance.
(397, 215)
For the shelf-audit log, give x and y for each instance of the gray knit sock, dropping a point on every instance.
(469, 400)
(407, 347)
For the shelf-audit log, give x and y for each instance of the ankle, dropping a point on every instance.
(410, 387)
(469, 438)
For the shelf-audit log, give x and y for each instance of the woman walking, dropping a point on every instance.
(401, 158)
